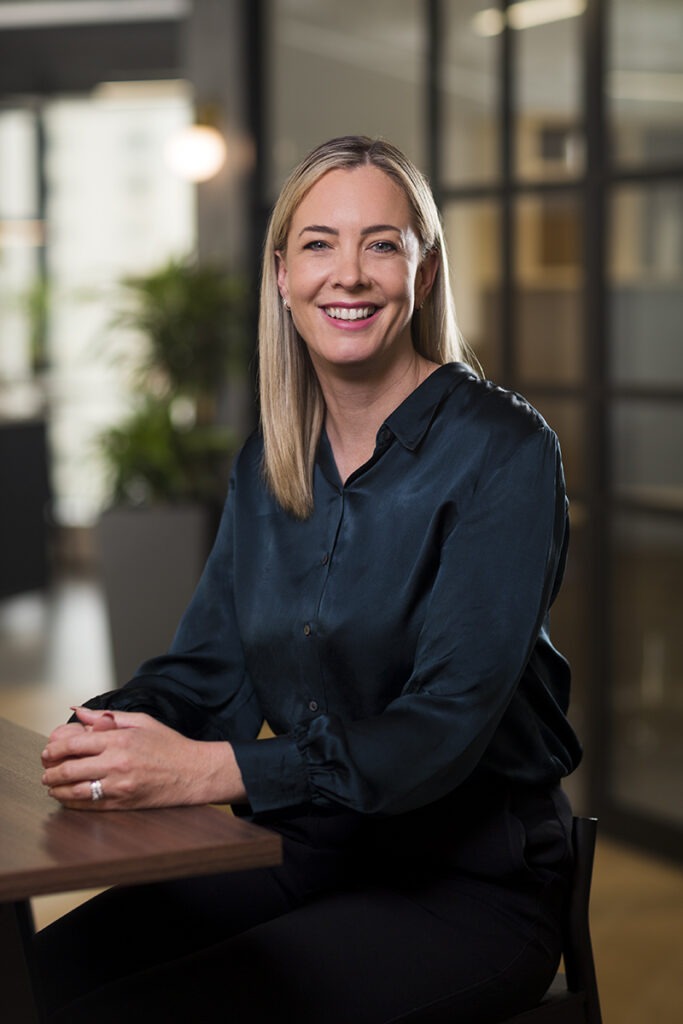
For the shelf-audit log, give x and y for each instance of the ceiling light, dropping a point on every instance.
(44, 13)
(525, 14)
(489, 22)
(196, 152)
(47, 13)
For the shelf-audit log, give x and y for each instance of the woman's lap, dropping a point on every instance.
(342, 932)
(236, 948)
(132, 928)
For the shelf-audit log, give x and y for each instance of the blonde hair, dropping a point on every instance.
(292, 405)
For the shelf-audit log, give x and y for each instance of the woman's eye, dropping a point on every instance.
(317, 245)
(384, 247)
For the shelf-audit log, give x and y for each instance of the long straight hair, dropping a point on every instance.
(292, 404)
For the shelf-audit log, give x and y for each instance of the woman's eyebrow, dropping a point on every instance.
(319, 229)
(381, 227)
(324, 230)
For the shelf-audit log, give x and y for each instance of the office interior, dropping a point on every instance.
(552, 135)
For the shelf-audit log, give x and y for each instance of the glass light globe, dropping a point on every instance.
(196, 152)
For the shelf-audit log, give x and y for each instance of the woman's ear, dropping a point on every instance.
(426, 274)
(282, 275)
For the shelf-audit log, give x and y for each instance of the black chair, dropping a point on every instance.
(573, 998)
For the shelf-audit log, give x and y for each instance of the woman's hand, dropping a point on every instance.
(138, 762)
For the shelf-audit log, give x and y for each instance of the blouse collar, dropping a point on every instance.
(411, 420)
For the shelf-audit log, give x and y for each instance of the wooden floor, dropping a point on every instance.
(637, 929)
(54, 652)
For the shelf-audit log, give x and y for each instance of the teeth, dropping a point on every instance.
(344, 313)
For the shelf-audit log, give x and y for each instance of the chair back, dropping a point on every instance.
(573, 997)
(578, 948)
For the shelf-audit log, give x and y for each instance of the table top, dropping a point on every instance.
(45, 848)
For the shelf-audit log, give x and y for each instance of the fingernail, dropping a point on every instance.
(108, 714)
(44, 753)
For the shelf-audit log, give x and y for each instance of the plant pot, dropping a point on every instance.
(151, 559)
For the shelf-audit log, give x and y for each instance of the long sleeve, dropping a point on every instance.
(498, 569)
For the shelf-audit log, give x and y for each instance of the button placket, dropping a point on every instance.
(310, 628)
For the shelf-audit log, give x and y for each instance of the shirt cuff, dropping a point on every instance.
(273, 772)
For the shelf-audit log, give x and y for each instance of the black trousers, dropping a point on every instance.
(412, 919)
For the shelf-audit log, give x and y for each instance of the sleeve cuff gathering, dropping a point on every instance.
(274, 773)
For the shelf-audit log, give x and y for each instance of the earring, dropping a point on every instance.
(287, 306)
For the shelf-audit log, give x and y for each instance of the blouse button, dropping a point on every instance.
(325, 557)
(312, 705)
(307, 629)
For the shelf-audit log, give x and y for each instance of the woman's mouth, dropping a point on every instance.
(349, 312)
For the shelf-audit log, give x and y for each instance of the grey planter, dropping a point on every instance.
(151, 559)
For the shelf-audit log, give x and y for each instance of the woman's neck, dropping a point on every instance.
(356, 408)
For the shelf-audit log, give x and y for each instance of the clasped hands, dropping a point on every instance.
(139, 762)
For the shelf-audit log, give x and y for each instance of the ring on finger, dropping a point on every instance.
(96, 792)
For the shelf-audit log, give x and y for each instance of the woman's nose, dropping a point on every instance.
(349, 271)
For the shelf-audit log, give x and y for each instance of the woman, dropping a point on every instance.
(378, 591)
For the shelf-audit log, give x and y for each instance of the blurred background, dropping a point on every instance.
(142, 143)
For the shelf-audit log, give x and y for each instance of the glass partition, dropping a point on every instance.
(473, 239)
(645, 81)
(549, 140)
(470, 93)
(549, 262)
(646, 284)
(646, 766)
(344, 69)
(647, 451)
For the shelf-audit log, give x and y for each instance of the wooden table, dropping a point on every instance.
(45, 848)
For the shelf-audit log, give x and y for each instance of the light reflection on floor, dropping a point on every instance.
(54, 652)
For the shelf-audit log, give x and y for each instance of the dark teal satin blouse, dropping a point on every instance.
(396, 641)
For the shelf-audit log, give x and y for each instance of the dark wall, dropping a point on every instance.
(24, 507)
(74, 58)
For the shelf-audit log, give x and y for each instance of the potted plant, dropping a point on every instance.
(169, 460)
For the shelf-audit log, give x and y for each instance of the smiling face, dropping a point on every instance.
(353, 271)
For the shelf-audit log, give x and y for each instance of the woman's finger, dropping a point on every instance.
(80, 797)
(62, 731)
(73, 771)
(75, 745)
(122, 719)
(105, 722)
